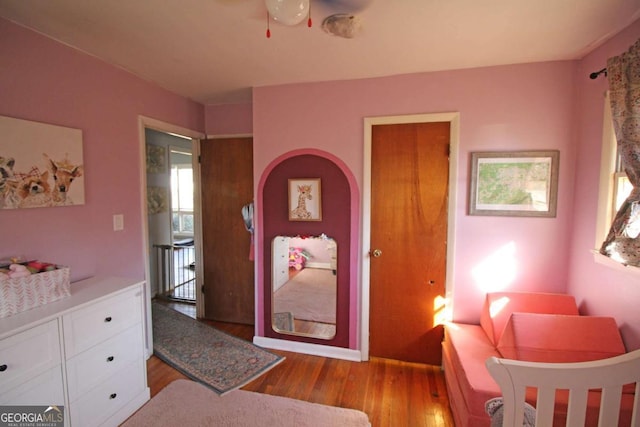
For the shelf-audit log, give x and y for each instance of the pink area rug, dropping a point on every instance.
(187, 403)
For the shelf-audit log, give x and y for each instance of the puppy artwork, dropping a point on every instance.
(41, 165)
(34, 190)
(8, 184)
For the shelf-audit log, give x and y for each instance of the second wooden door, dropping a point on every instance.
(227, 185)
(409, 193)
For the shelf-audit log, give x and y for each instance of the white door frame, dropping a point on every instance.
(454, 119)
(149, 123)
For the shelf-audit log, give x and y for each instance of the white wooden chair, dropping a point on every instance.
(609, 375)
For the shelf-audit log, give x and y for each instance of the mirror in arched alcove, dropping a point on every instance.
(304, 286)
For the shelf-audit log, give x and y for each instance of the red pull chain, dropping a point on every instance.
(268, 30)
(309, 20)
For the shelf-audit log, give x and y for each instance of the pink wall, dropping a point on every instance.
(600, 290)
(45, 81)
(502, 108)
(229, 119)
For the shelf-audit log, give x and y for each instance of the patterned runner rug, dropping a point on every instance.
(205, 354)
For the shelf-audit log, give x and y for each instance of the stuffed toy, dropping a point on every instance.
(18, 270)
(297, 258)
(40, 267)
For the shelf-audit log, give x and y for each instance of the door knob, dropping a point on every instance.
(376, 253)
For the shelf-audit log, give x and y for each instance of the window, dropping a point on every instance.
(607, 198)
(182, 198)
(614, 189)
(621, 186)
(614, 184)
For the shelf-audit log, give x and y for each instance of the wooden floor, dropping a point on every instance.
(391, 393)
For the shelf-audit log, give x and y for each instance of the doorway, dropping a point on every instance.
(438, 304)
(171, 216)
(151, 163)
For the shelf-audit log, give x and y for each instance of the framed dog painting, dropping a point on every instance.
(41, 165)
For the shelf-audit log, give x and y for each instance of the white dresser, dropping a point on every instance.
(85, 352)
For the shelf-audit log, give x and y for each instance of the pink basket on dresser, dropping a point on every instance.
(25, 293)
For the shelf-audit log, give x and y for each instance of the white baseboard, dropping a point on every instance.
(307, 348)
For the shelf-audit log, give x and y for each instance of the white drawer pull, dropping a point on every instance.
(110, 359)
(107, 319)
(113, 396)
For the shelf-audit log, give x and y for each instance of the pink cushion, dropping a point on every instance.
(465, 349)
(498, 307)
(560, 338)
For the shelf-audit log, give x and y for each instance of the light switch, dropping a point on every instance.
(118, 222)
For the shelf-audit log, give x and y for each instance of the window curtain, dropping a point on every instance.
(623, 74)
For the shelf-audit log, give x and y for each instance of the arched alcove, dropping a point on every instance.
(336, 222)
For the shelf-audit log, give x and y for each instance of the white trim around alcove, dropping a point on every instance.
(308, 348)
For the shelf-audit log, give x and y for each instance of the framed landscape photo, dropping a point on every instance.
(514, 183)
(305, 199)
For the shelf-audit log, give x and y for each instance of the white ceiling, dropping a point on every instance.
(214, 51)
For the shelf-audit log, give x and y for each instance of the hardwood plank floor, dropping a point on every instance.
(391, 393)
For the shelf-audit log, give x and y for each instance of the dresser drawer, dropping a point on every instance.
(91, 325)
(28, 354)
(93, 366)
(95, 406)
(44, 389)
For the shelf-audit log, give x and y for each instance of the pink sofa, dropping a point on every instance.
(539, 327)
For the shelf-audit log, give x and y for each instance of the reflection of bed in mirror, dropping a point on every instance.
(304, 286)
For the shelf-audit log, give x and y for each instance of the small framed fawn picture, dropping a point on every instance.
(305, 199)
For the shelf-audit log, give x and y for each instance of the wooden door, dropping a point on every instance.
(227, 185)
(409, 193)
